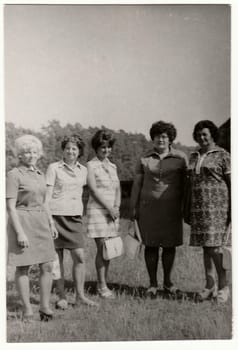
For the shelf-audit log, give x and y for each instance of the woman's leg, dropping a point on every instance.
(151, 260)
(168, 257)
(102, 265)
(45, 286)
(209, 267)
(23, 288)
(221, 272)
(78, 273)
(60, 281)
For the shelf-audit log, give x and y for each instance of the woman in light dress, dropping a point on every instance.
(30, 226)
(104, 203)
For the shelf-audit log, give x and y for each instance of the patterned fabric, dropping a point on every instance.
(209, 197)
(99, 223)
(28, 187)
(160, 206)
(67, 185)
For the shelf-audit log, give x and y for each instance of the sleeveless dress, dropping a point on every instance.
(99, 223)
(28, 187)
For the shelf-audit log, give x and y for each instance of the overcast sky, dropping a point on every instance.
(123, 67)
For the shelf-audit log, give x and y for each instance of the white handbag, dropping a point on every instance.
(112, 247)
(133, 241)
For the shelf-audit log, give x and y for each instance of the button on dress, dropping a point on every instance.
(160, 204)
(28, 187)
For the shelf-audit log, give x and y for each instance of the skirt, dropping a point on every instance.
(41, 246)
(70, 229)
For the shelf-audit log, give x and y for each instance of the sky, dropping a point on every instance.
(123, 67)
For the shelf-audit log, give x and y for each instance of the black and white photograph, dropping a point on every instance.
(118, 181)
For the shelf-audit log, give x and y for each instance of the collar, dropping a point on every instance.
(106, 161)
(172, 153)
(215, 149)
(62, 164)
(25, 169)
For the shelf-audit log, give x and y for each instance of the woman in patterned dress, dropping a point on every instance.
(156, 200)
(103, 205)
(30, 225)
(210, 216)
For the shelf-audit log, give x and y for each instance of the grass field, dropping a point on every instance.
(131, 316)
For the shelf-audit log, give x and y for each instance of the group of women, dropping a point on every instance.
(45, 212)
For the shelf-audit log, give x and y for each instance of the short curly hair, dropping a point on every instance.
(76, 139)
(161, 127)
(101, 137)
(26, 142)
(206, 124)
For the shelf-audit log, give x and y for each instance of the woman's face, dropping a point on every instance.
(161, 142)
(29, 157)
(71, 152)
(104, 151)
(204, 137)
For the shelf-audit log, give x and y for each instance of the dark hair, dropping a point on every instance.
(161, 127)
(101, 137)
(74, 139)
(208, 124)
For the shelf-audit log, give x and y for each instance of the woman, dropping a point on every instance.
(103, 205)
(156, 200)
(30, 225)
(65, 180)
(209, 174)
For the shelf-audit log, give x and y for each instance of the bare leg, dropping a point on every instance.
(23, 288)
(60, 282)
(209, 267)
(168, 257)
(102, 265)
(45, 286)
(221, 272)
(151, 260)
(79, 276)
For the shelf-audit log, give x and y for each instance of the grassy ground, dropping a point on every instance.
(131, 316)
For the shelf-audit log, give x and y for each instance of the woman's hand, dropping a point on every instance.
(22, 240)
(53, 229)
(113, 213)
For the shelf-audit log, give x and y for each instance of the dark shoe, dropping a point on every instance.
(208, 293)
(46, 316)
(172, 290)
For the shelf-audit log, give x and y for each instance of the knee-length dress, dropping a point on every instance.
(28, 187)
(209, 197)
(160, 204)
(99, 224)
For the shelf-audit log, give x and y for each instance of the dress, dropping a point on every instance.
(160, 204)
(66, 203)
(209, 197)
(99, 223)
(28, 187)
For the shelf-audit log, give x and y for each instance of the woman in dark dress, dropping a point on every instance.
(156, 201)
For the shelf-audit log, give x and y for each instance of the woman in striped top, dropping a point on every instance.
(104, 202)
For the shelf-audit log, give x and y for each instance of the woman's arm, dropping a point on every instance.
(135, 194)
(228, 182)
(91, 181)
(48, 196)
(22, 239)
(117, 203)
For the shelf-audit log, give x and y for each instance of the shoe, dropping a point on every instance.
(46, 316)
(207, 293)
(223, 295)
(85, 301)
(172, 290)
(152, 291)
(106, 293)
(27, 318)
(61, 304)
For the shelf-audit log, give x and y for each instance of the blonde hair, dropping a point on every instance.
(27, 142)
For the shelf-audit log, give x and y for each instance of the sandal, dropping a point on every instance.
(152, 291)
(223, 295)
(61, 304)
(106, 293)
(172, 290)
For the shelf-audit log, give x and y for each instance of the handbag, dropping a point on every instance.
(227, 254)
(133, 241)
(112, 247)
